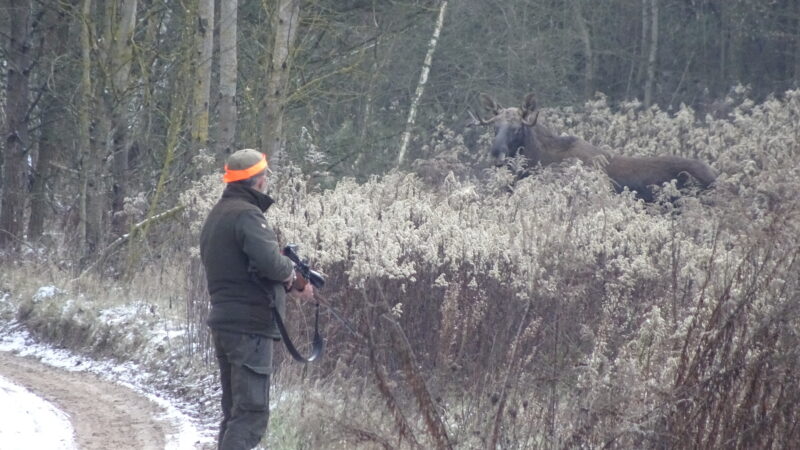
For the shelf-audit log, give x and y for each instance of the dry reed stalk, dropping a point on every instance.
(498, 417)
(401, 423)
(433, 419)
(366, 436)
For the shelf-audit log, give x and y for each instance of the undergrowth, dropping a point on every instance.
(468, 309)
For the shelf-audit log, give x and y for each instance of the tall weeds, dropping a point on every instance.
(553, 313)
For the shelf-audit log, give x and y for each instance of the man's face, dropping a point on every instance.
(261, 184)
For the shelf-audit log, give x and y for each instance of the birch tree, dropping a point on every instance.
(15, 136)
(109, 122)
(119, 63)
(641, 70)
(204, 44)
(228, 58)
(649, 84)
(284, 23)
(588, 53)
(88, 165)
(797, 44)
(423, 79)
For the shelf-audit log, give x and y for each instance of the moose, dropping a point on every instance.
(516, 132)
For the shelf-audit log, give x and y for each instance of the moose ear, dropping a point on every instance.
(489, 104)
(529, 105)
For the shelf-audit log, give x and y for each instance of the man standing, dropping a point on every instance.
(247, 275)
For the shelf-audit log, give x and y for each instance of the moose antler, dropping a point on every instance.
(477, 120)
(531, 122)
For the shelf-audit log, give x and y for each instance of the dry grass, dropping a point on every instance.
(552, 313)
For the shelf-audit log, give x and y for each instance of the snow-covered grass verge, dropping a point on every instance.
(135, 344)
(128, 344)
(189, 433)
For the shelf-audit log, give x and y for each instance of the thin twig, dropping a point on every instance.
(124, 238)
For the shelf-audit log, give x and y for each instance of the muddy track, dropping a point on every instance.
(104, 415)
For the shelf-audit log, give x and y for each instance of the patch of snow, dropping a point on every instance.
(119, 314)
(46, 292)
(187, 435)
(32, 422)
(169, 332)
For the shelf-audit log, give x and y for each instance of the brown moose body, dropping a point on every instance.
(517, 132)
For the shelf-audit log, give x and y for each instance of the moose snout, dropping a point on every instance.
(500, 146)
(499, 156)
(499, 150)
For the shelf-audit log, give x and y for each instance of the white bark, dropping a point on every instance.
(423, 79)
(123, 46)
(120, 60)
(228, 58)
(642, 60)
(286, 19)
(797, 45)
(649, 85)
(588, 53)
(204, 45)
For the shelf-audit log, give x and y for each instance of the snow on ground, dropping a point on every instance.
(17, 340)
(31, 422)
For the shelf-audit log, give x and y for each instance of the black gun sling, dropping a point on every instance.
(317, 346)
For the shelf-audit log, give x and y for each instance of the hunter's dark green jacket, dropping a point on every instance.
(235, 241)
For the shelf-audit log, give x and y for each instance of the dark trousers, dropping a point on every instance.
(245, 363)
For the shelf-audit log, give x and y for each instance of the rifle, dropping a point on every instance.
(301, 267)
(307, 275)
(318, 281)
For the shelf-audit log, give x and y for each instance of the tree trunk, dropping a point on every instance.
(88, 229)
(204, 46)
(366, 115)
(722, 77)
(284, 23)
(588, 54)
(645, 38)
(227, 78)
(797, 44)
(53, 110)
(423, 79)
(17, 145)
(649, 85)
(736, 44)
(120, 67)
(180, 91)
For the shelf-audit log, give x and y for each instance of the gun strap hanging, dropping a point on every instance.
(317, 345)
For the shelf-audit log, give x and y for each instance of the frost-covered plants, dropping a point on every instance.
(550, 313)
(559, 314)
(545, 313)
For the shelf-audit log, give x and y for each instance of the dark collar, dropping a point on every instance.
(250, 195)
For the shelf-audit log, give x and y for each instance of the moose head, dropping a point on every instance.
(512, 129)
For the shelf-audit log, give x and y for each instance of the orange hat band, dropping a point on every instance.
(238, 175)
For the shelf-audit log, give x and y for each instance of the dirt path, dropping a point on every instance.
(104, 415)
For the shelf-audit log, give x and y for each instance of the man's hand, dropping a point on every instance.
(289, 283)
(298, 287)
(306, 294)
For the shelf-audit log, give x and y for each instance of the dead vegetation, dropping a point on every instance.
(550, 314)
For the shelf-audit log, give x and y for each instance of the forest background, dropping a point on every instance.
(552, 314)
